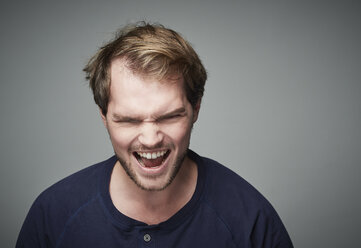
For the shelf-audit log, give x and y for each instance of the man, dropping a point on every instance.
(155, 192)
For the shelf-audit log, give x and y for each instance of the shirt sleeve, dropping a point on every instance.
(269, 232)
(33, 232)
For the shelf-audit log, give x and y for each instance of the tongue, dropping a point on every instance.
(152, 162)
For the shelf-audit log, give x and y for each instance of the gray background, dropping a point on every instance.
(282, 105)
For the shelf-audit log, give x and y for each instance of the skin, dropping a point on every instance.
(149, 115)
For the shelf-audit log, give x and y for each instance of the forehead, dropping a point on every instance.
(131, 92)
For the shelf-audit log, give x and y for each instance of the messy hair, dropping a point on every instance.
(149, 50)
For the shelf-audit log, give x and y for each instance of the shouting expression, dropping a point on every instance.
(149, 123)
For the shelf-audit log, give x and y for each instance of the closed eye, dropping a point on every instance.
(172, 116)
(169, 118)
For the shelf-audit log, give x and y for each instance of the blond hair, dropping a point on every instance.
(149, 50)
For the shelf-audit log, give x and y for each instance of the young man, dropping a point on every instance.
(155, 192)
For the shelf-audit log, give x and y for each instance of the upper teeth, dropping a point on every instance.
(151, 155)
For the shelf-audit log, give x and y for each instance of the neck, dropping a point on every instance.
(153, 207)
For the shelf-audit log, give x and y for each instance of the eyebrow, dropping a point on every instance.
(121, 118)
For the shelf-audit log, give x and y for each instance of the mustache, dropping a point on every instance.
(139, 147)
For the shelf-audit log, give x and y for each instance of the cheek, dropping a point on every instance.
(121, 138)
(178, 133)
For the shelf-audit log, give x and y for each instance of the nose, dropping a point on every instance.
(150, 136)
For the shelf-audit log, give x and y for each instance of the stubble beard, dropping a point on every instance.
(175, 167)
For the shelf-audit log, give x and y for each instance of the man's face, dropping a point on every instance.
(149, 123)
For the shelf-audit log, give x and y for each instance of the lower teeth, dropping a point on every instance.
(151, 163)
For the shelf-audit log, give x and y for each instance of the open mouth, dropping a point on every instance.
(151, 159)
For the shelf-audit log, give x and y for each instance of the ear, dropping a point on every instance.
(104, 118)
(196, 111)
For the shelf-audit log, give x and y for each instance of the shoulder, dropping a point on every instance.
(59, 203)
(78, 186)
(225, 186)
(244, 211)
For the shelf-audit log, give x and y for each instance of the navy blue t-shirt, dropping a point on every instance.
(225, 211)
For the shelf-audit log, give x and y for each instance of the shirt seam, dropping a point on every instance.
(68, 222)
(112, 219)
(222, 220)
